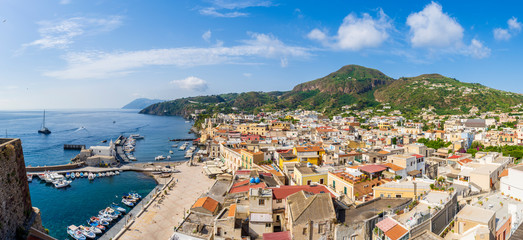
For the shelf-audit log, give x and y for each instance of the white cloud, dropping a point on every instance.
(514, 27)
(476, 49)
(228, 8)
(501, 34)
(191, 83)
(513, 24)
(431, 28)
(103, 65)
(60, 34)
(207, 36)
(356, 33)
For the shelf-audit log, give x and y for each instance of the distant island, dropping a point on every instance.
(141, 103)
(353, 87)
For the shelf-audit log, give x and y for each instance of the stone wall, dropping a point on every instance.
(15, 200)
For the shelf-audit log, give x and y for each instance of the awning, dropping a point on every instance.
(414, 173)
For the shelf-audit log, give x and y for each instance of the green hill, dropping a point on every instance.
(353, 85)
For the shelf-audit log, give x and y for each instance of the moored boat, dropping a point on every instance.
(87, 231)
(75, 233)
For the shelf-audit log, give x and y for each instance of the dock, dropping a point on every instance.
(182, 139)
(74, 146)
(120, 154)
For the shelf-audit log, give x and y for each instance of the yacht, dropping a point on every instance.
(75, 233)
(44, 130)
(160, 157)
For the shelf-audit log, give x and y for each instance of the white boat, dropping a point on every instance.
(72, 175)
(136, 136)
(61, 183)
(131, 157)
(91, 176)
(87, 232)
(171, 152)
(127, 202)
(160, 157)
(93, 229)
(168, 157)
(29, 177)
(50, 177)
(174, 145)
(75, 233)
(77, 174)
(117, 172)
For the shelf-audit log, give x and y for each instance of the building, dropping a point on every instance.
(311, 154)
(473, 222)
(260, 212)
(307, 175)
(249, 158)
(390, 229)
(511, 185)
(355, 183)
(206, 205)
(310, 216)
(406, 189)
(414, 165)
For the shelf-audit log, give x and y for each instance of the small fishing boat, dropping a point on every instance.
(29, 177)
(171, 152)
(94, 229)
(118, 208)
(117, 172)
(100, 175)
(86, 174)
(61, 183)
(81, 174)
(77, 174)
(99, 221)
(159, 157)
(72, 175)
(97, 225)
(75, 233)
(136, 136)
(168, 157)
(127, 203)
(174, 145)
(87, 232)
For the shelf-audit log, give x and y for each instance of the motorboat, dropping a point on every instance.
(81, 174)
(97, 225)
(118, 208)
(136, 136)
(72, 175)
(75, 233)
(99, 221)
(87, 232)
(171, 152)
(117, 172)
(131, 157)
(100, 175)
(86, 174)
(67, 175)
(93, 229)
(160, 157)
(168, 157)
(29, 177)
(61, 183)
(174, 145)
(91, 176)
(127, 203)
(77, 174)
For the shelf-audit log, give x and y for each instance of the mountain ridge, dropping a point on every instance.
(355, 86)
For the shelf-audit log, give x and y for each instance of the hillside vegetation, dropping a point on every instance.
(355, 86)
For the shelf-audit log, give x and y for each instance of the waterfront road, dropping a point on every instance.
(160, 219)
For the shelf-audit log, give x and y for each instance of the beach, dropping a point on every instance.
(167, 211)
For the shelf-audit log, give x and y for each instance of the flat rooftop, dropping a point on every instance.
(360, 214)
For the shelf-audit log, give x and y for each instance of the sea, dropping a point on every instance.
(83, 199)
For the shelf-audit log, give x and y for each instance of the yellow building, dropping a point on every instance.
(286, 157)
(401, 189)
(304, 175)
(384, 125)
(311, 154)
(248, 158)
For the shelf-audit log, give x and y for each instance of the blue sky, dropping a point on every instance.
(103, 54)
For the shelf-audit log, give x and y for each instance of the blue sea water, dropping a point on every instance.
(83, 199)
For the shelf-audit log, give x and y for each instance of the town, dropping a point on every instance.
(370, 175)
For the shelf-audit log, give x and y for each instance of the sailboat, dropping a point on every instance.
(44, 130)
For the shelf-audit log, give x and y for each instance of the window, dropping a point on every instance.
(278, 200)
(261, 202)
(398, 195)
(309, 182)
(381, 195)
(268, 225)
(321, 181)
(277, 217)
(218, 231)
(345, 190)
(304, 231)
(334, 184)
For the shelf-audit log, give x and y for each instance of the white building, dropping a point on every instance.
(512, 185)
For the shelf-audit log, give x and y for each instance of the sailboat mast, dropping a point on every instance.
(44, 119)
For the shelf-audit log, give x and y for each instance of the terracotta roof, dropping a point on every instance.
(417, 155)
(277, 236)
(386, 224)
(396, 232)
(207, 203)
(466, 160)
(504, 173)
(383, 152)
(247, 187)
(283, 192)
(372, 168)
(309, 149)
(394, 167)
(232, 211)
(454, 156)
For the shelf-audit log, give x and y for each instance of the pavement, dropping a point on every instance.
(166, 213)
